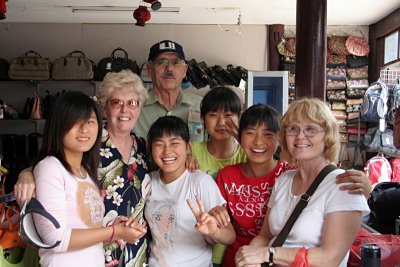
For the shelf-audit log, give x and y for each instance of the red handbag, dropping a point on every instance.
(357, 46)
(389, 244)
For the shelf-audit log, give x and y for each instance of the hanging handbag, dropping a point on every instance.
(357, 46)
(36, 113)
(377, 141)
(281, 237)
(291, 45)
(74, 66)
(115, 64)
(337, 45)
(282, 50)
(8, 228)
(31, 66)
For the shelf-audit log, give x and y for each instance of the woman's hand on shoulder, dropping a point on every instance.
(359, 182)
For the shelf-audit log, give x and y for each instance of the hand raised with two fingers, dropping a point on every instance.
(206, 224)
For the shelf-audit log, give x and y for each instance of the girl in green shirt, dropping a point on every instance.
(220, 109)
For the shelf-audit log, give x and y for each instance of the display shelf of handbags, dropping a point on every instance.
(21, 126)
(15, 93)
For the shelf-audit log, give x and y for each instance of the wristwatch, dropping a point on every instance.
(271, 251)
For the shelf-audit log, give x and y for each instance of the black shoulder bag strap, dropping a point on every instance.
(280, 239)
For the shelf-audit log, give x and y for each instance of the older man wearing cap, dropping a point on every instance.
(167, 67)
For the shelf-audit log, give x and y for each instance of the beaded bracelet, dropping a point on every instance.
(112, 235)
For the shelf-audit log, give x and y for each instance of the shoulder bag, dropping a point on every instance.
(280, 239)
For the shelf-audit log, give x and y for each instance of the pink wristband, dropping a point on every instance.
(112, 235)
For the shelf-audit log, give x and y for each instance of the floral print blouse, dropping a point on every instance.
(124, 188)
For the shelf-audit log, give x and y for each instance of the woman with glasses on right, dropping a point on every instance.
(325, 229)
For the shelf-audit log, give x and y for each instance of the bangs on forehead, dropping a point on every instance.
(221, 99)
(77, 112)
(265, 120)
(168, 126)
(306, 112)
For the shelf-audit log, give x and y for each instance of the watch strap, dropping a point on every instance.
(271, 251)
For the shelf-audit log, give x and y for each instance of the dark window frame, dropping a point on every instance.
(398, 48)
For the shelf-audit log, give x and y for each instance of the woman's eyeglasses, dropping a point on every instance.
(118, 103)
(308, 131)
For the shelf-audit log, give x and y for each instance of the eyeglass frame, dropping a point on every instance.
(298, 129)
(130, 103)
(166, 62)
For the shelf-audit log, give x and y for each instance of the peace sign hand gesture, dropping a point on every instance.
(206, 223)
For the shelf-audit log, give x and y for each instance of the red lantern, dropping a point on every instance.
(149, 1)
(141, 14)
(2, 9)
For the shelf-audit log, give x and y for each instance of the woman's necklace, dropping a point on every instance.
(81, 175)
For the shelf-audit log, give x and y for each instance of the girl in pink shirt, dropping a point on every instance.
(65, 176)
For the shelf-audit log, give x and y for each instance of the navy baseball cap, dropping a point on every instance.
(166, 46)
